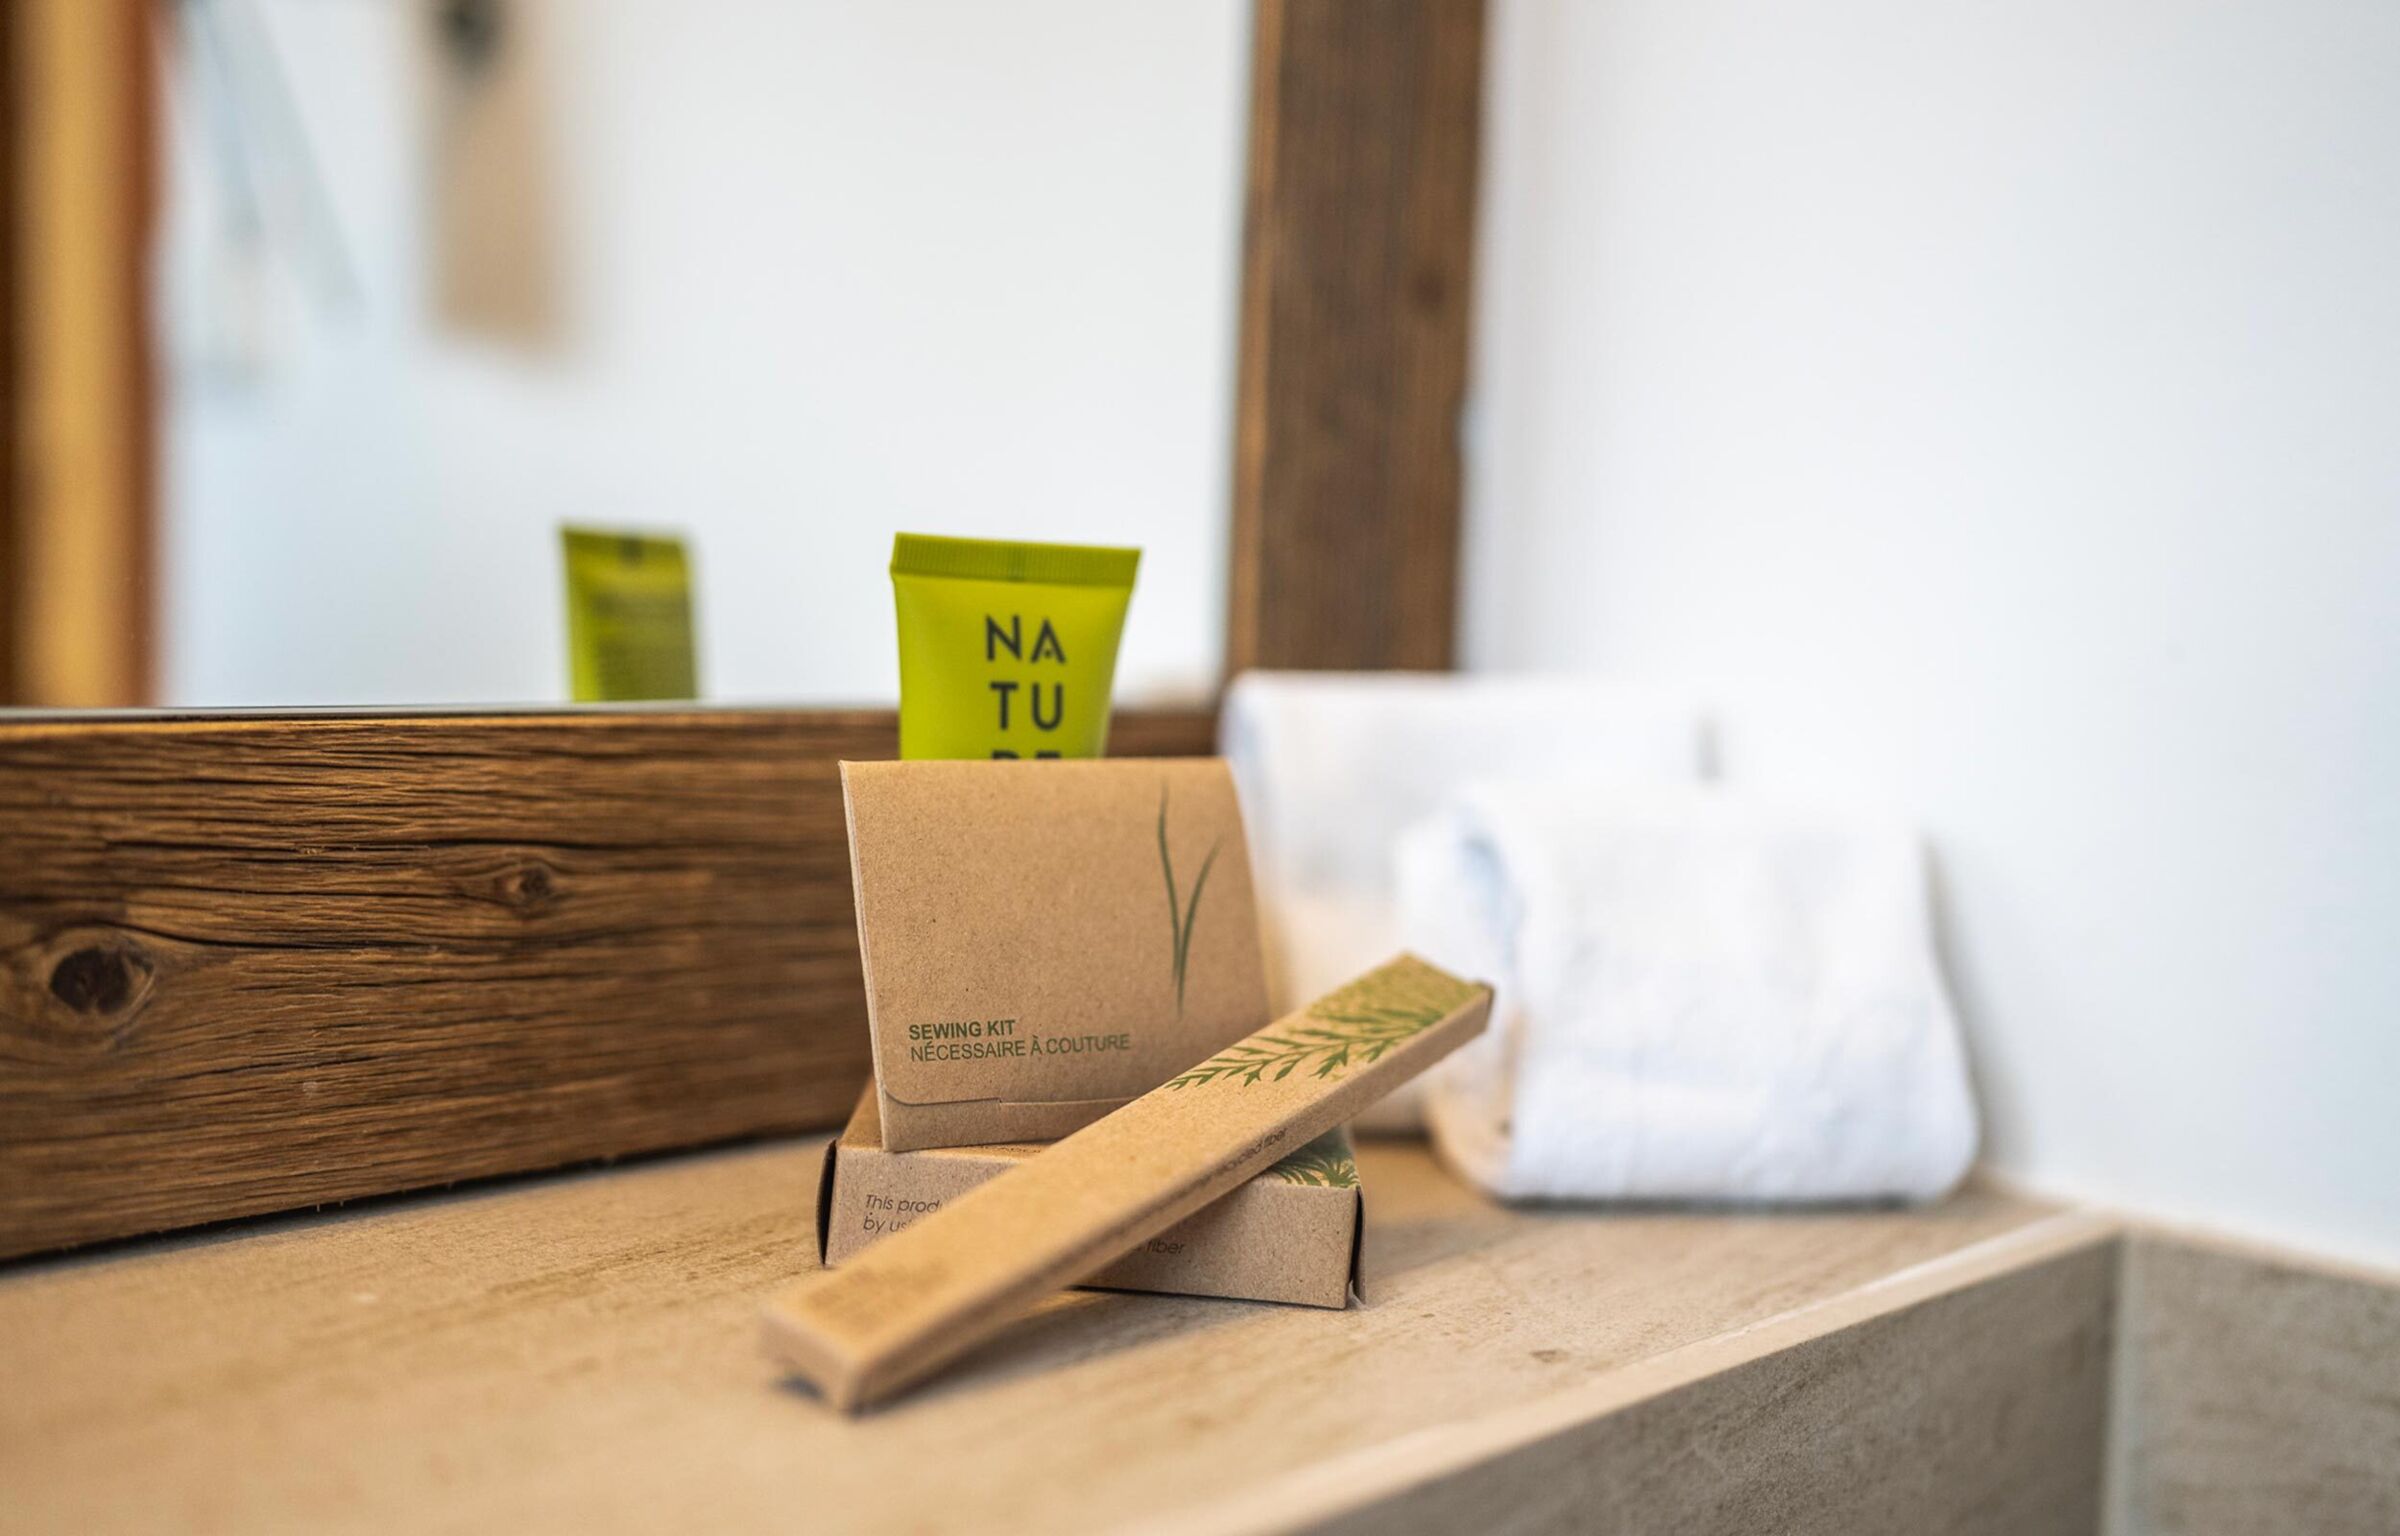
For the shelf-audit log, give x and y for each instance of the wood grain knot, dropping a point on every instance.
(99, 978)
(1429, 290)
(528, 886)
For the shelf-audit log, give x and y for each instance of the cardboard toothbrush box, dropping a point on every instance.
(1290, 1235)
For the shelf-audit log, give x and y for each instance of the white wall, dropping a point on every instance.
(831, 270)
(1994, 409)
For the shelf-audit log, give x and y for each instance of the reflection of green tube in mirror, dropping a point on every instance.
(629, 616)
(1007, 650)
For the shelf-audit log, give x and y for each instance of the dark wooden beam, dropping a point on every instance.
(255, 962)
(1357, 248)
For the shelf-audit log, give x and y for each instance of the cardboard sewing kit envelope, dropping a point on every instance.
(1044, 941)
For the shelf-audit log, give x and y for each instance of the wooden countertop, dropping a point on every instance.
(582, 1351)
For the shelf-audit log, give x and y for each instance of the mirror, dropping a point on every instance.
(439, 276)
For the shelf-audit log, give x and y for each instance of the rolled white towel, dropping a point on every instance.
(1701, 997)
(1332, 765)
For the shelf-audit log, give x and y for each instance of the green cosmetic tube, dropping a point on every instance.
(1007, 650)
(629, 616)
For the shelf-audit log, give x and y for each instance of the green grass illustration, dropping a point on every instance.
(1354, 1025)
(1180, 913)
(1325, 1161)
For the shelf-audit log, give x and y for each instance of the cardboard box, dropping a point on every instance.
(924, 1295)
(1290, 1235)
(1044, 941)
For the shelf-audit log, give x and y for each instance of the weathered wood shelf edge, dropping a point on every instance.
(582, 1352)
(257, 960)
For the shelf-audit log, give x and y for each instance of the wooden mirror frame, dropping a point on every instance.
(252, 961)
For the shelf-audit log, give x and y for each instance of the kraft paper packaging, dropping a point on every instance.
(629, 616)
(928, 1293)
(1290, 1234)
(1007, 650)
(1044, 941)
